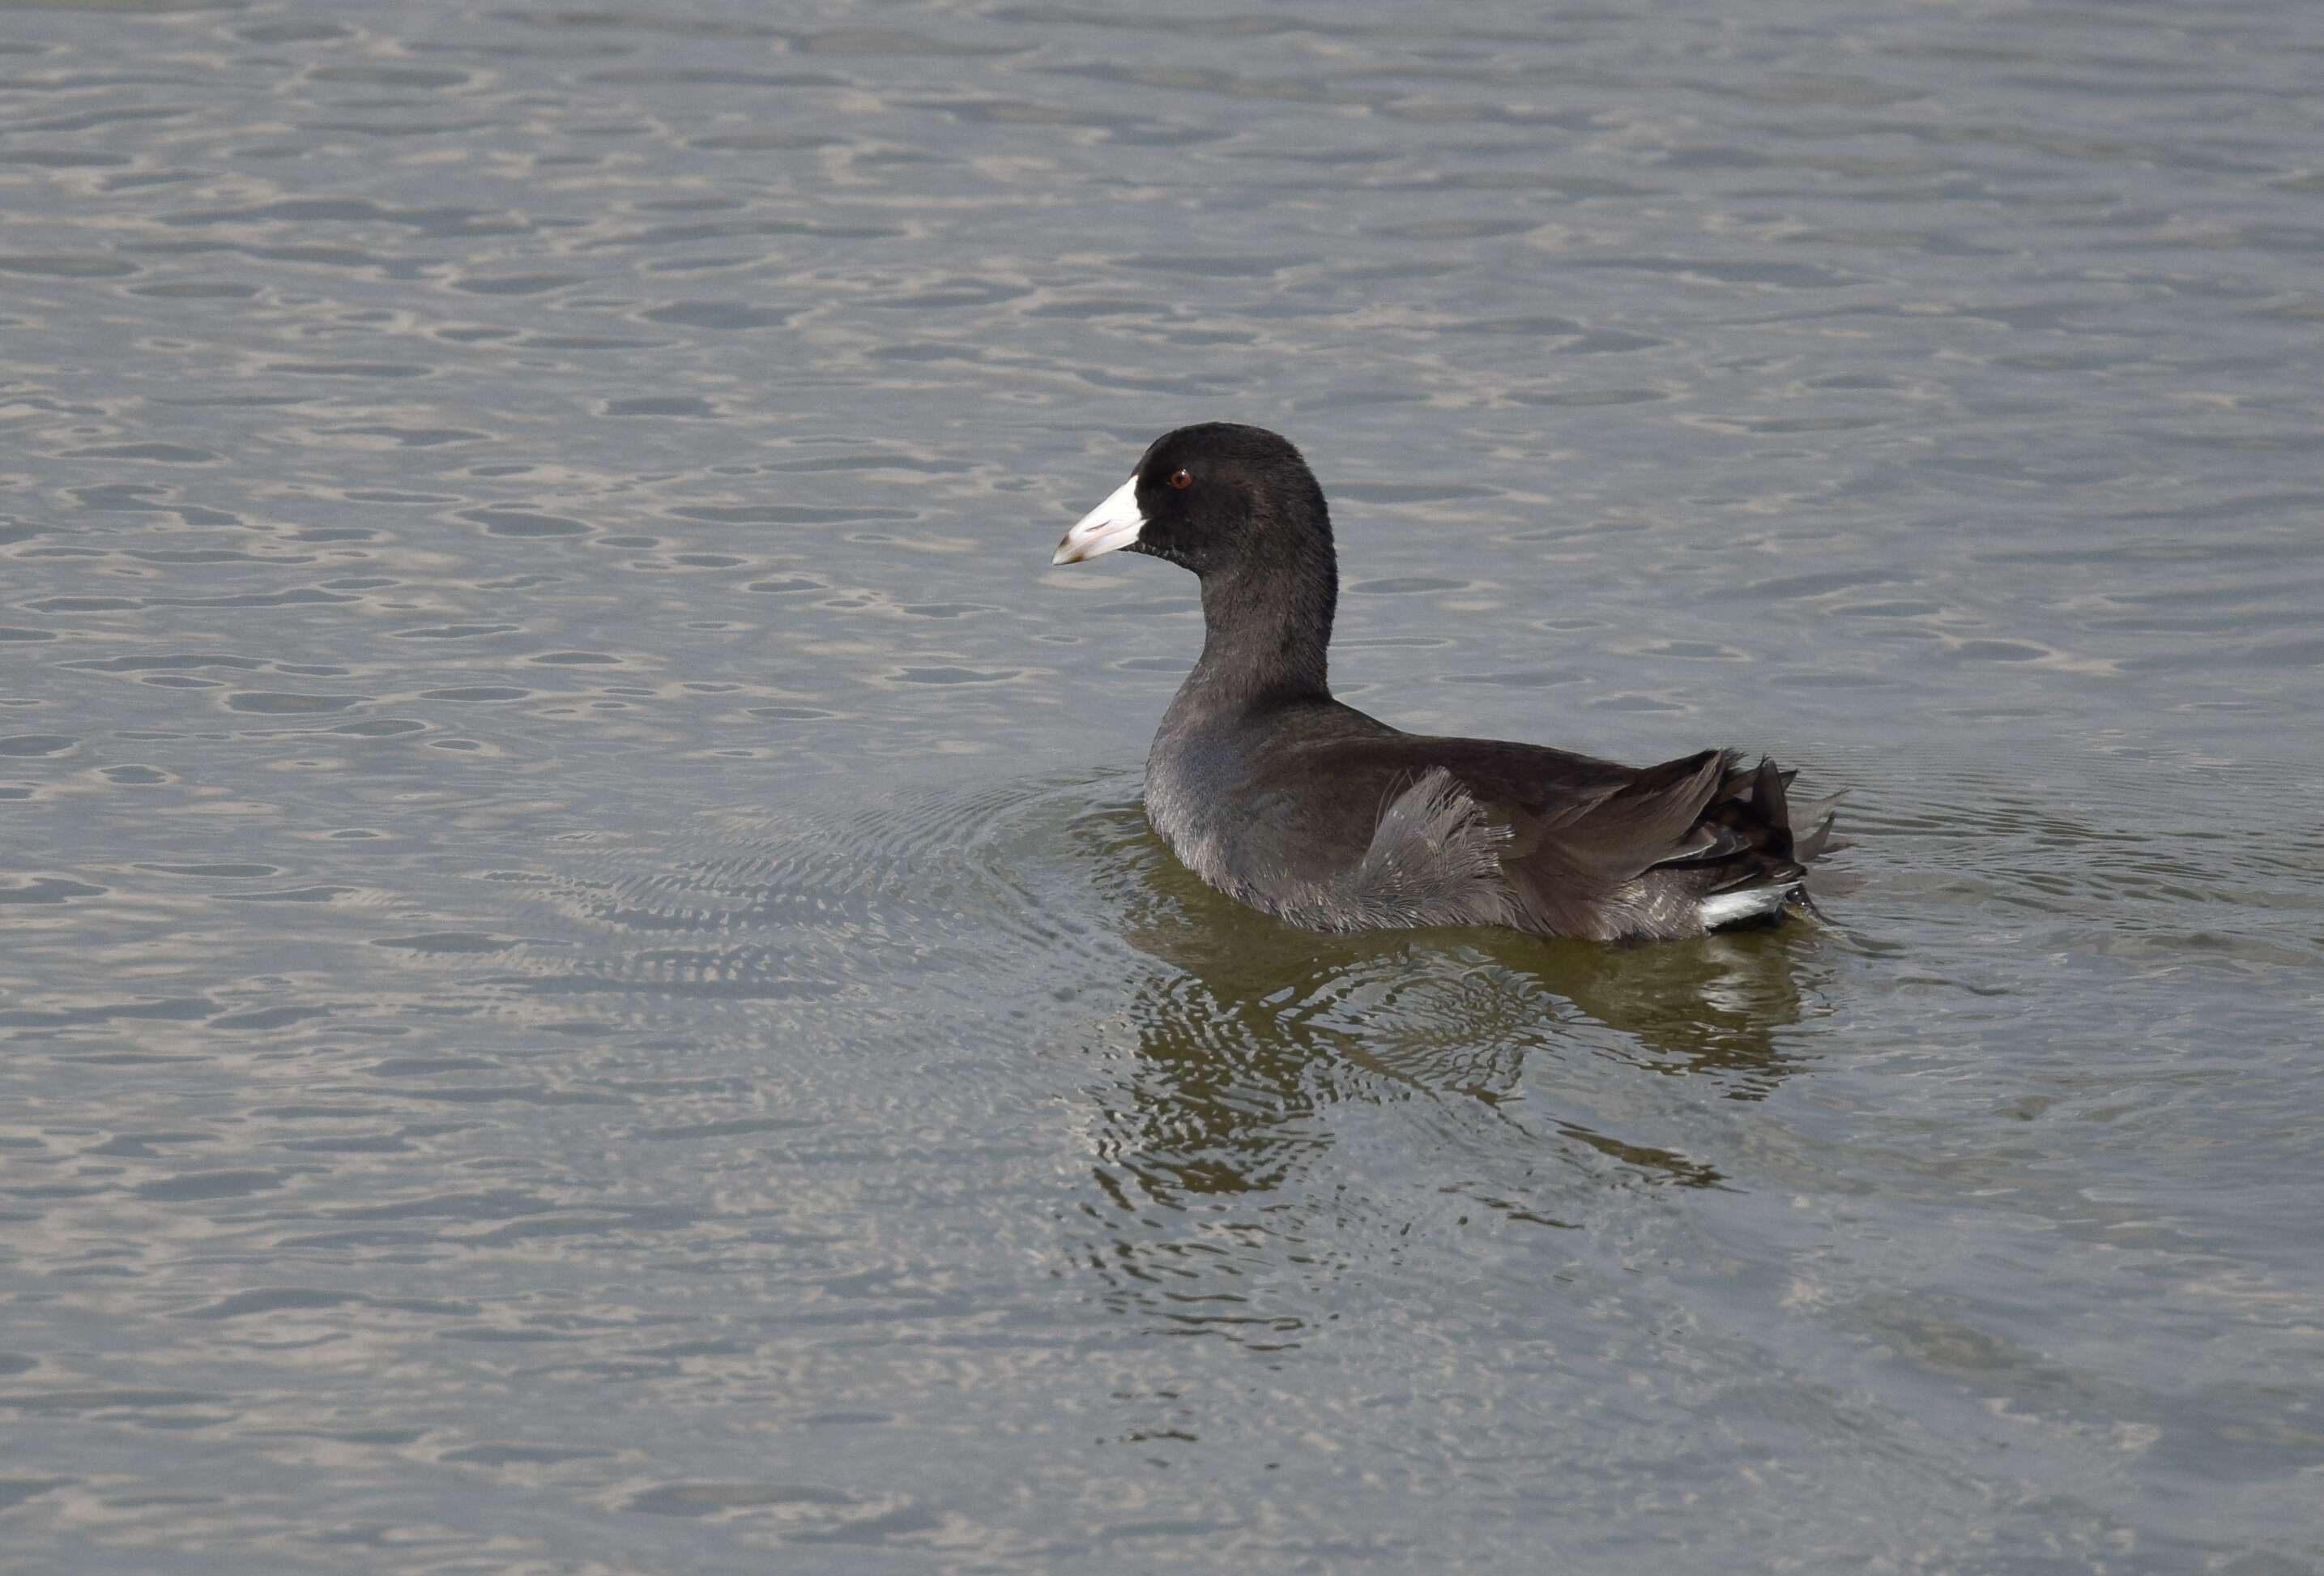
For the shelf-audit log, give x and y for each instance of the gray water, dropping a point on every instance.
(584, 986)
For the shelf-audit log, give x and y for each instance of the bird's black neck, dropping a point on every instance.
(1267, 633)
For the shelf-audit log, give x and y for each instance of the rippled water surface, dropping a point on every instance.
(583, 984)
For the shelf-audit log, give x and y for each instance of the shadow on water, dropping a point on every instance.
(1254, 1050)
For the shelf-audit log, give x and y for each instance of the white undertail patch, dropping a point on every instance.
(1727, 908)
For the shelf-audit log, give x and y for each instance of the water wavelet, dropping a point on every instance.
(815, 900)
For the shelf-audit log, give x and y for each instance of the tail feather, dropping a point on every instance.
(1772, 846)
(1701, 842)
(1819, 818)
(1768, 795)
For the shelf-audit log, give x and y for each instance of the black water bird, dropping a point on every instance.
(1310, 810)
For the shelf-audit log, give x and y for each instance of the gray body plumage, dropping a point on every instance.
(1433, 858)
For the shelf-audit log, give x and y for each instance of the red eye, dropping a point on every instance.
(1179, 478)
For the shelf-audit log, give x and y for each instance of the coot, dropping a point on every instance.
(1312, 812)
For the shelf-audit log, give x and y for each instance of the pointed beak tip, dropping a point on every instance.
(1114, 525)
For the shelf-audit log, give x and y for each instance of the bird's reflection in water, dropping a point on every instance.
(1236, 1050)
